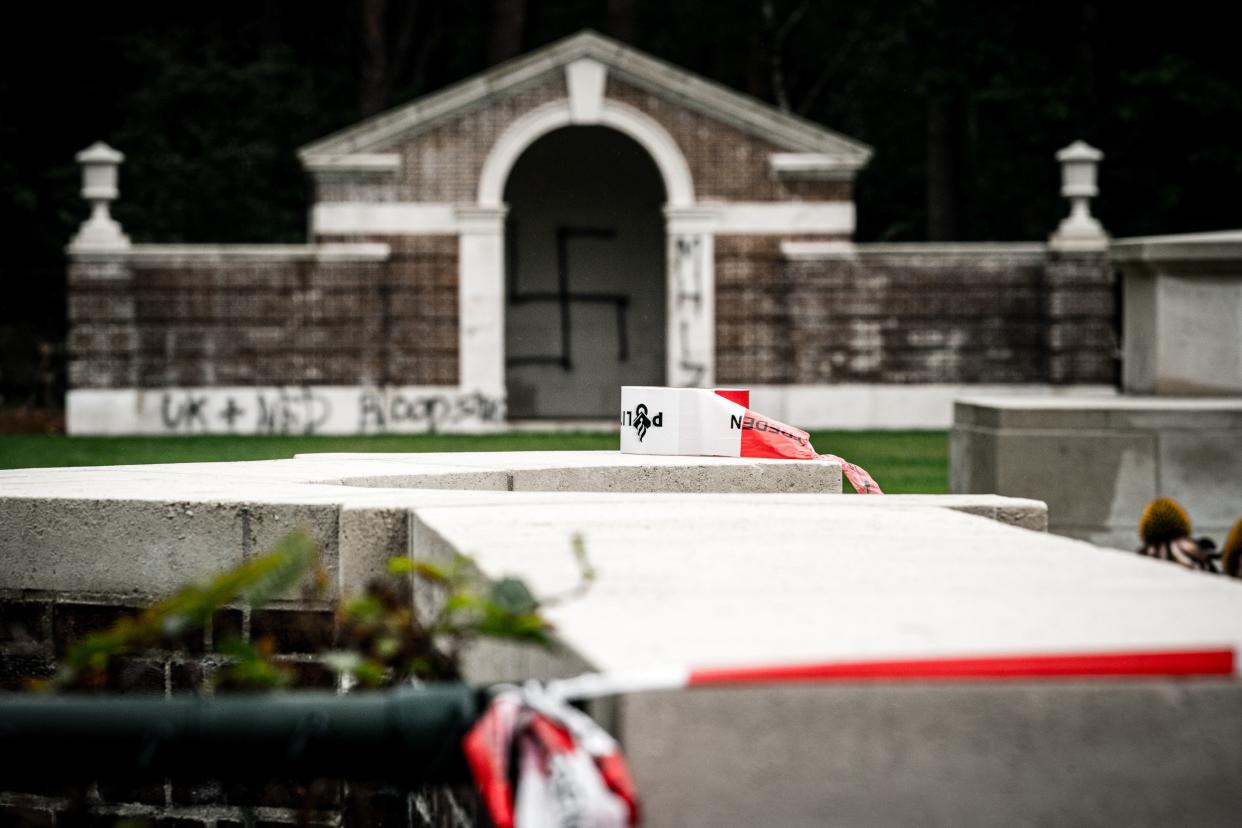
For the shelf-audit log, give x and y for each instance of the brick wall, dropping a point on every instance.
(443, 163)
(725, 163)
(193, 321)
(1082, 333)
(36, 629)
(911, 317)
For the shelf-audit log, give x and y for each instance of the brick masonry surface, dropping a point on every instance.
(36, 629)
(912, 318)
(195, 323)
(725, 163)
(935, 318)
(442, 163)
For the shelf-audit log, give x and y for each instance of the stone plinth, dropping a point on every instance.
(1182, 313)
(721, 562)
(777, 582)
(1098, 461)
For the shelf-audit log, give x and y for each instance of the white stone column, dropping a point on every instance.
(691, 356)
(481, 300)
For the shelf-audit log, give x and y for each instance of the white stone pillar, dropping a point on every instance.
(1079, 231)
(691, 356)
(100, 233)
(481, 300)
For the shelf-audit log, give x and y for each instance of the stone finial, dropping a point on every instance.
(1079, 230)
(100, 233)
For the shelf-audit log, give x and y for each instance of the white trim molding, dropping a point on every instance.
(585, 79)
(678, 184)
(817, 166)
(214, 254)
(784, 217)
(833, 249)
(398, 218)
(810, 251)
(420, 409)
(376, 162)
(890, 407)
(1218, 246)
(481, 299)
(322, 409)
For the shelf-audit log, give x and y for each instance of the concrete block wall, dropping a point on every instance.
(1098, 462)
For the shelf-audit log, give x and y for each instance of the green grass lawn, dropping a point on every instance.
(900, 461)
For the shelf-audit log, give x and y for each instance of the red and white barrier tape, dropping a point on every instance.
(1185, 663)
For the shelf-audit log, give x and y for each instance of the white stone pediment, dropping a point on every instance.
(588, 57)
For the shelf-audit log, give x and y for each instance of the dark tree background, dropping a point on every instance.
(965, 103)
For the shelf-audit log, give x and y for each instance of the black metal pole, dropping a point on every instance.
(411, 735)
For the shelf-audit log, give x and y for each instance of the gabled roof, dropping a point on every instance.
(692, 91)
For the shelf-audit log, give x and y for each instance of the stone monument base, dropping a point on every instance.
(1098, 461)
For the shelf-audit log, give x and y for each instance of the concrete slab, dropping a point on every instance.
(1124, 753)
(1098, 462)
(743, 571)
(1183, 305)
(148, 528)
(783, 581)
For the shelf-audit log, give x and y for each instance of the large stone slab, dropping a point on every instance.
(145, 530)
(1121, 753)
(686, 586)
(739, 570)
(1098, 461)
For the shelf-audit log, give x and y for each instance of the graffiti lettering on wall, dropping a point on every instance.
(322, 411)
(380, 411)
(261, 411)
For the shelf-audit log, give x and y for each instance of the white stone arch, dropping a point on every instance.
(690, 317)
(526, 130)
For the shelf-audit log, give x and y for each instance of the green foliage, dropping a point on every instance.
(419, 628)
(251, 667)
(381, 639)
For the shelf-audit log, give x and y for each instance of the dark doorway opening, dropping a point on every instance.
(585, 274)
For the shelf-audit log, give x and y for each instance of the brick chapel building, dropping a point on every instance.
(521, 244)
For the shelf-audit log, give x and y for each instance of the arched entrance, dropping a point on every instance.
(585, 274)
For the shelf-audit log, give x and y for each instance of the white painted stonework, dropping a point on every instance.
(100, 233)
(420, 409)
(1079, 231)
(708, 563)
(287, 410)
(585, 79)
(357, 162)
(860, 406)
(1183, 313)
(679, 187)
(398, 218)
(814, 165)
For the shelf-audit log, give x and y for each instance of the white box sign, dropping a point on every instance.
(694, 421)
